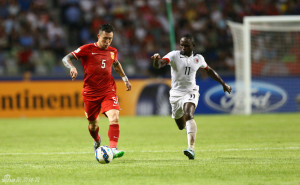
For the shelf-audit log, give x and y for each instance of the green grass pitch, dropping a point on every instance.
(236, 150)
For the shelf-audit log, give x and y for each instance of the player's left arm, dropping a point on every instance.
(118, 68)
(214, 75)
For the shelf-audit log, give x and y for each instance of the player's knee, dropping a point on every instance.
(93, 124)
(114, 119)
(188, 116)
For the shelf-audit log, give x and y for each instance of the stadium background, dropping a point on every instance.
(36, 34)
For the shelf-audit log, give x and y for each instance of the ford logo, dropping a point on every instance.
(265, 97)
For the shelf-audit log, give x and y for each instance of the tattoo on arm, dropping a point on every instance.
(118, 68)
(116, 63)
(67, 60)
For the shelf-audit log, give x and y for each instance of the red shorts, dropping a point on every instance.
(104, 103)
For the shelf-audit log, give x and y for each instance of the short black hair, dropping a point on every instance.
(107, 28)
(190, 37)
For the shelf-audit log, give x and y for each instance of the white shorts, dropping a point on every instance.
(177, 102)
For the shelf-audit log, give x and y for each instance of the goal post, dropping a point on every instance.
(242, 103)
(261, 44)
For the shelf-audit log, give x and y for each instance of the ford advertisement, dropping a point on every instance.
(267, 95)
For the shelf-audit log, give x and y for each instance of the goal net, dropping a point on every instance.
(267, 57)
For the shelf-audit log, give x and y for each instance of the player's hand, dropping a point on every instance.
(156, 57)
(227, 88)
(73, 73)
(128, 85)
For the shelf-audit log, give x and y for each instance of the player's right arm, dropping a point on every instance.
(67, 61)
(158, 62)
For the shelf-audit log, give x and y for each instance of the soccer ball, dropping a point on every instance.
(104, 154)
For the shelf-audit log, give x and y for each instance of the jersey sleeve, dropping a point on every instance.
(203, 64)
(169, 57)
(116, 56)
(80, 52)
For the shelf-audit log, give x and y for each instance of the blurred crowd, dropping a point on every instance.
(36, 34)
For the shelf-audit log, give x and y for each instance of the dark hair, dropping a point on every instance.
(190, 37)
(107, 28)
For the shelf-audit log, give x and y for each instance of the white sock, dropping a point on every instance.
(191, 131)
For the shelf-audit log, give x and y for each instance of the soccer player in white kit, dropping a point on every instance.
(184, 94)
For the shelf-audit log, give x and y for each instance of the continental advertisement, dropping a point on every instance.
(63, 98)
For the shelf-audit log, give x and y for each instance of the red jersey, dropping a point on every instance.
(97, 64)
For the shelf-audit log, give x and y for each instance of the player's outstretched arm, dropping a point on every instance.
(67, 61)
(118, 68)
(214, 75)
(158, 62)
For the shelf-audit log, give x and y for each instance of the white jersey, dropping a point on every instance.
(183, 71)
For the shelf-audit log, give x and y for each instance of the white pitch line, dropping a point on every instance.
(232, 149)
(152, 151)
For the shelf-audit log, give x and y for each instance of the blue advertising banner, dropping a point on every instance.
(269, 94)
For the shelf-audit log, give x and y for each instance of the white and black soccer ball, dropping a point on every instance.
(104, 154)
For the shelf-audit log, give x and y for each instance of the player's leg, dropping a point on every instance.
(191, 126)
(183, 112)
(189, 106)
(110, 106)
(94, 132)
(92, 109)
(114, 131)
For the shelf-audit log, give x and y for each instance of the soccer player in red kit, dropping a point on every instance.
(99, 88)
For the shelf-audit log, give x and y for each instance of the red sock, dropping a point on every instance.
(113, 135)
(95, 134)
